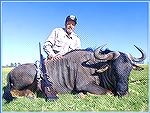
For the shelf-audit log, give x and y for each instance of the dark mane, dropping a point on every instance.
(106, 51)
(90, 49)
(87, 49)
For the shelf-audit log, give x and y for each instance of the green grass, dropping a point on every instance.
(137, 101)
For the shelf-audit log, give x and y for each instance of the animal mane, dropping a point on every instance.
(87, 49)
(106, 51)
(90, 49)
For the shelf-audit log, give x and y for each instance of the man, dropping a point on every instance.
(62, 40)
(59, 42)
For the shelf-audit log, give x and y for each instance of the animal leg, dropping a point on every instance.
(95, 89)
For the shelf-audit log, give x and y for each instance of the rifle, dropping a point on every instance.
(46, 85)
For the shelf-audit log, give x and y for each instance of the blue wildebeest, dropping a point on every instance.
(96, 72)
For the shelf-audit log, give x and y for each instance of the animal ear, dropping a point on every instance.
(101, 70)
(136, 67)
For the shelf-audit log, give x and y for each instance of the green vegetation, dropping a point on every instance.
(136, 101)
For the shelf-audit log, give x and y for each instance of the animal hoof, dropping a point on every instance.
(30, 97)
(120, 94)
(82, 95)
(51, 98)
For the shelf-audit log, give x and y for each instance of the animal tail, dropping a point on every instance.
(7, 94)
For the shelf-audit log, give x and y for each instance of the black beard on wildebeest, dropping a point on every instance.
(96, 72)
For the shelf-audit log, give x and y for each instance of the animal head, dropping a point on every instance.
(113, 68)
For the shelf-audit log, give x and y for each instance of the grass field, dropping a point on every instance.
(136, 101)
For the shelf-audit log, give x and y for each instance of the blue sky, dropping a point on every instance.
(119, 24)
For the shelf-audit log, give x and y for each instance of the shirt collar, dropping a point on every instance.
(69, 36)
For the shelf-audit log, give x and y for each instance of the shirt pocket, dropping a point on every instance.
(59, 43)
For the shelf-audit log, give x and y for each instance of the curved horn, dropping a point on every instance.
(109, 56)
(142, 58)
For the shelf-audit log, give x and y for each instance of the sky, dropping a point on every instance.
(120, 25)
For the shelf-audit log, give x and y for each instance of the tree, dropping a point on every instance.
(11, 65)
(19, 64)
(15, 64)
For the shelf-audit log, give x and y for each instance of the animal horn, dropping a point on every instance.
(142, 58)
(109, 56)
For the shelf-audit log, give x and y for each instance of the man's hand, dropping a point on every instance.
(57, 57)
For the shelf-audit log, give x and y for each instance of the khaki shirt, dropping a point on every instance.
(59, 42)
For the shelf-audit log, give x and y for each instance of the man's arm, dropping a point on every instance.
(48, 45)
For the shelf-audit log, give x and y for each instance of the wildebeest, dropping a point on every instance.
(96, 72)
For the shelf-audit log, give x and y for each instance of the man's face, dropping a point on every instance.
(70, 26)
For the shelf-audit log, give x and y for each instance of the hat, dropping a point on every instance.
(71, 17)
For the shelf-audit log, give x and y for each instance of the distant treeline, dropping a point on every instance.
(12, 65)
